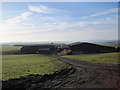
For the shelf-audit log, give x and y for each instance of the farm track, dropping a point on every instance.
(80, 75)
(87, 64)
(108, 75)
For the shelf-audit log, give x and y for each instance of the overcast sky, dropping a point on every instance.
(75, 21)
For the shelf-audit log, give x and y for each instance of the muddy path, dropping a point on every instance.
(73, 77)
(80, 75)
(98, 75)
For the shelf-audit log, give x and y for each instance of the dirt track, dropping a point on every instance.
(80, 75)
(87, 64)
(103, 76)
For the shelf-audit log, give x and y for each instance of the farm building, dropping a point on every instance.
(38, 49)
(84, 47)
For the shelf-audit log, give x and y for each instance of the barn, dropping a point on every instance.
(37, 49)
(84, 47)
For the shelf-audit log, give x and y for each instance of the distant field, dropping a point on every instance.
(15, 66)
(105, 58)
(10, 48)
(111, 45)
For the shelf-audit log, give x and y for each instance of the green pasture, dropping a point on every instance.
(10, 48)
(111, 45)
(105, 58)
(14, 66)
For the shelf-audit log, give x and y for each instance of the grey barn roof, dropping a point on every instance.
(77, 43)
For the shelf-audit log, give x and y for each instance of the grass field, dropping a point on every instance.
(111, 45)
(10, 48)
(15, 66)
(105, 58)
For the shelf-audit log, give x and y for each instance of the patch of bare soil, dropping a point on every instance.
(74, 77)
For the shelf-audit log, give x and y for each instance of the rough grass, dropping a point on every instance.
(105, 58)
(15, 66)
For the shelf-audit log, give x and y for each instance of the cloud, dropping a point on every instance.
(61, 31)
(19, 19)
(40, 9)
(74, 35)
(17, 29)
(105, 12)
(17, 24)
(43, 9)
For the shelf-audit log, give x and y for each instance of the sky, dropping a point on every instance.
(58, 21)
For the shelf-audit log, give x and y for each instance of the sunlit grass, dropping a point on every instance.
(15, 66)
(10, 48)
(105, 58)
(111, 45)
